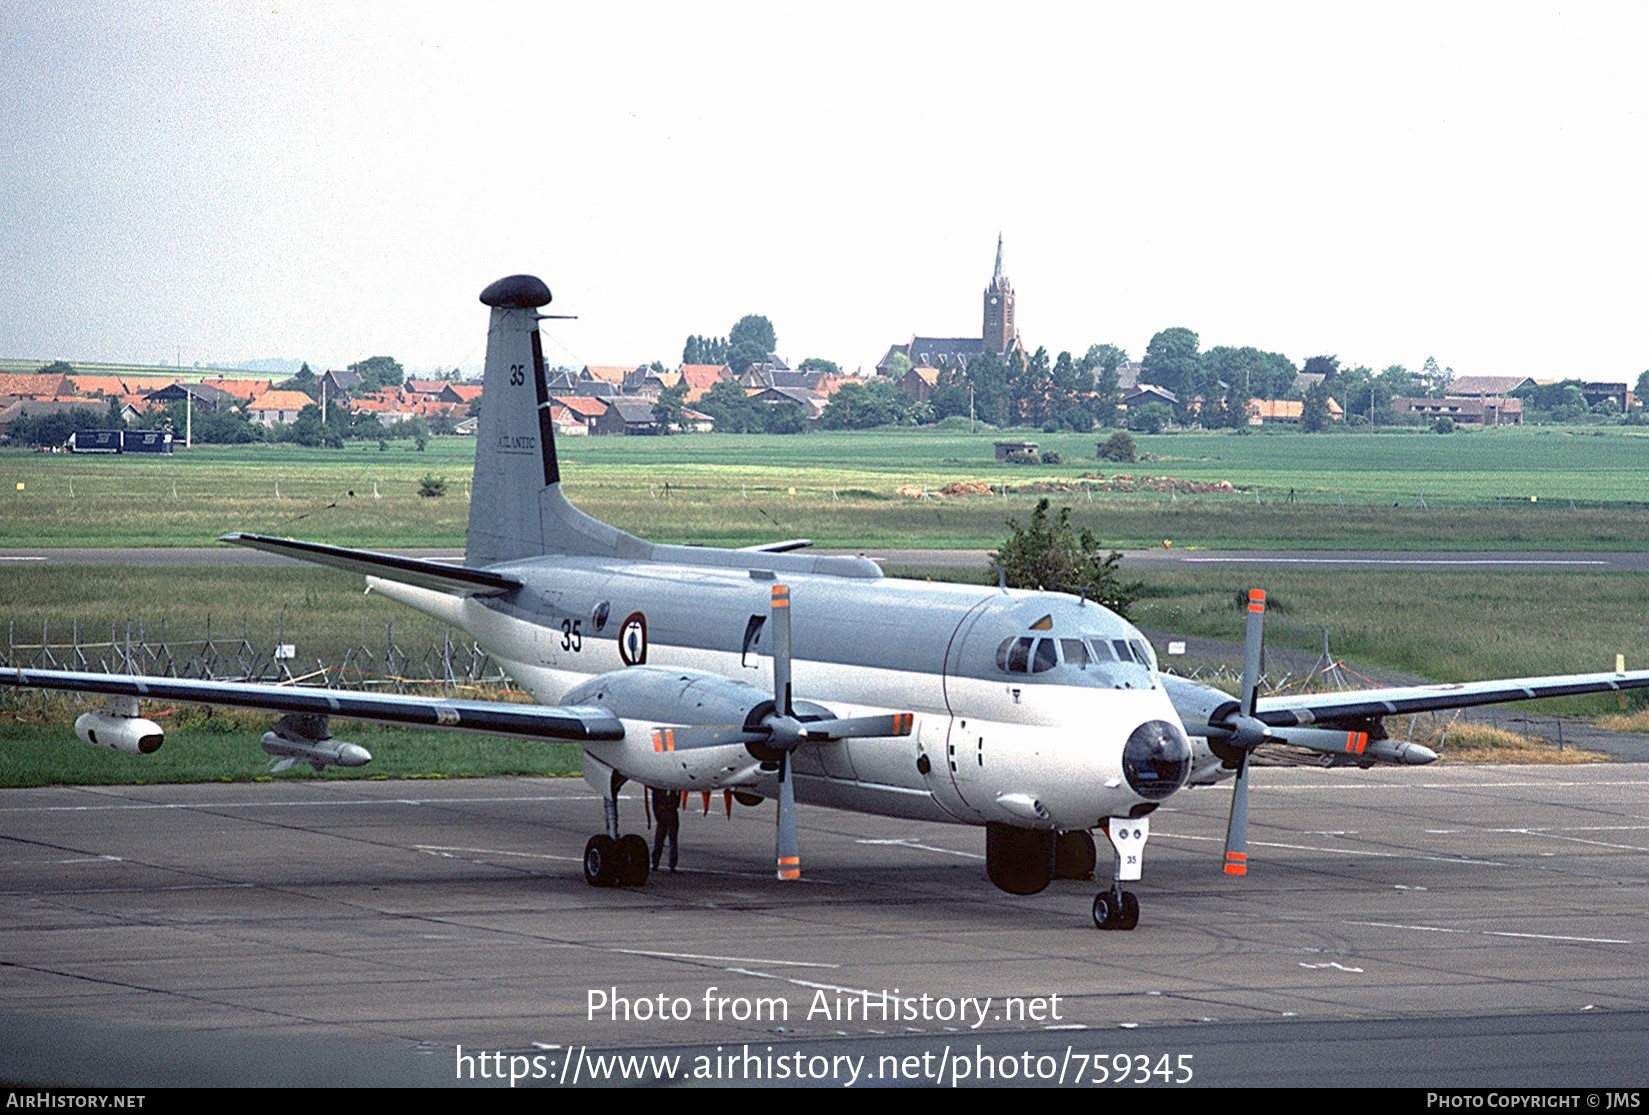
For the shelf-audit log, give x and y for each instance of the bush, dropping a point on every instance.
(1050, 457)
(1119, 446)
(1055, 556)
(432, 487)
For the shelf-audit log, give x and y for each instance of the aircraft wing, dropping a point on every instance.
(1364, 704)
(412, 571)
(549, 722)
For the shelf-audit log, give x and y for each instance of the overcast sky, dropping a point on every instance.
(328, 182)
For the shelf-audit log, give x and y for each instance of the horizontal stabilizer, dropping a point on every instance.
(410, 571)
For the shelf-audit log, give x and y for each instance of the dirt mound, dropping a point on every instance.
(967, 488)
(1124, 482)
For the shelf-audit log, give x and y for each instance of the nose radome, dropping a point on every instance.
(1156, 760)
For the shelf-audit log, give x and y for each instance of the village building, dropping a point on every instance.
(999, 334)
(277, 408)
(1473, 410)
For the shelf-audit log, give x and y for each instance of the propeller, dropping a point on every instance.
(780, 731)
(1244, 732)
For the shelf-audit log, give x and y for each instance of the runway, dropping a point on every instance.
(1447, 926)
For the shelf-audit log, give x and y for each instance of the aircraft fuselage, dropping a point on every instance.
(1024, 702)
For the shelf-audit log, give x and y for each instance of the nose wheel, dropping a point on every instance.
(1116, 909)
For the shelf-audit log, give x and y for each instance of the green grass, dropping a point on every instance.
(1488, 489)
(1445, 626)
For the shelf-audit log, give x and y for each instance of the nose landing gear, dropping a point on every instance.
(1117, 908)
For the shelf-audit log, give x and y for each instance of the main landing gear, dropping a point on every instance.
(622, 862)
(1117, 908)
(614, 860)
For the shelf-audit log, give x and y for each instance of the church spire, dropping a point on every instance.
(1000, 329)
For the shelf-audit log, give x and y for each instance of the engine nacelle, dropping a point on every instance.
(667, 696)
(648, 698)
(118, 732)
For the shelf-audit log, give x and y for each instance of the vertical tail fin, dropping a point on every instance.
(516, 506)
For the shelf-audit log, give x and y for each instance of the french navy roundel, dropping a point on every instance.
(632, 639)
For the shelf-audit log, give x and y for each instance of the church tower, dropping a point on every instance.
(1000, 329)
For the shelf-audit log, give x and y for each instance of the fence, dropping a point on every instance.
(133, 648)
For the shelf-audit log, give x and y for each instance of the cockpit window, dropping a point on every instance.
(1075, 652)
(1046, 658)
(1142, 653)
(1014, 655)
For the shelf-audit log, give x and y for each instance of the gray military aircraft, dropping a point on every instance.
(1040, 716)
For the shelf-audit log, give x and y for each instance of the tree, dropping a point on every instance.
(750, 341)
(1642, 388)
(1152, 418)
(308, 429)
(1030, 386)
(1315, 415)
(668, 412)
(1326, 366)
(305, 381)
(1171, 361)
(50, 429)
(704, 350)
(1104, 363)
(1054, 556)
(860, 406)
(734, 412)
(820, 364)
(57, 368)
(376, 372)
(432, 487)
(786, 417)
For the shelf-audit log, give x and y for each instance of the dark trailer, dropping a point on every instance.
(95, 441)
(146, 441)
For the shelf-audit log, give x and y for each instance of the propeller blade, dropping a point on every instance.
(1252, 648)
(781, 650)
(788, 850)
(693, 737)
(1236, 830)
(856, 727)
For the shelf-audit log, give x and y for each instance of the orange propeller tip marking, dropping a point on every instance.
(1236, 869)
(1256, 600)
(781, 596)
(902, 723)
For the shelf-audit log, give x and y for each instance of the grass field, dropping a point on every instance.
(1487, 489)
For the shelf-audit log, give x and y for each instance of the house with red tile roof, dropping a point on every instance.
(278, 408)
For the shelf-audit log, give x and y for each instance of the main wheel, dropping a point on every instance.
(601, 861)
(1128, 916)
(1105, 912)
(632, 860)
